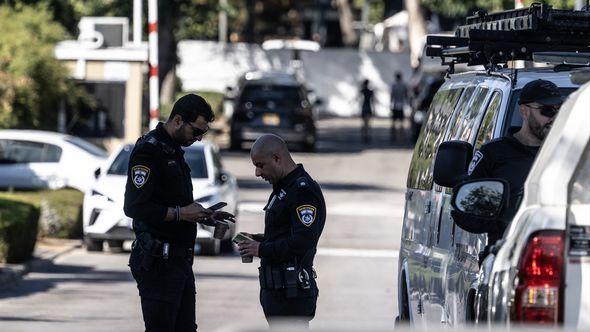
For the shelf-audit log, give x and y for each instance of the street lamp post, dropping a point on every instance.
(153, 62)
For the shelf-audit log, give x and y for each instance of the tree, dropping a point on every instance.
(32, 81)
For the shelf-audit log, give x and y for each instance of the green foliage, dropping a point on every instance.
(32, 81)
(215, 99)
(61, 210)
(461, 8)
(18, 230)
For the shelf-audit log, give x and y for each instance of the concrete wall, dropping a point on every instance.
(334, 74)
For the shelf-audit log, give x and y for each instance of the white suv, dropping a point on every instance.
(103, 216)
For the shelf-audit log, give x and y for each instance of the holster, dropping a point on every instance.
(286, 277)
(151, 248)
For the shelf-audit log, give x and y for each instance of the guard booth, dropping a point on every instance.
(113, 71)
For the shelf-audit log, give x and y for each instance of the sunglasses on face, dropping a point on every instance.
(196, 131)
(546, 110)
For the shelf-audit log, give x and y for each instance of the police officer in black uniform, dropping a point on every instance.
(159, 199)
(511, 157)
(294, 219)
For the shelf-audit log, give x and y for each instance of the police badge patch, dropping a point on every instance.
(140, 175)
(306, 214)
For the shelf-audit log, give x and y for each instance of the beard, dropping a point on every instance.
(540, 131)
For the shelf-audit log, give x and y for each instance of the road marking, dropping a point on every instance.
(364, 253)
(352, 209)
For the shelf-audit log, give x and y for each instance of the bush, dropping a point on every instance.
(19, 223)
(60, 211)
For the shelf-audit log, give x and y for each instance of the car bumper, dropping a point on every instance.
(289, 135)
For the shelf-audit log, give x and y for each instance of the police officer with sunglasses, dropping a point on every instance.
(511, 157)
(159, 199)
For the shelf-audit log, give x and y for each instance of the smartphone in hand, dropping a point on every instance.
(217, 206)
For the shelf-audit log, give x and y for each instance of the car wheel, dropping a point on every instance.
(211, 247)
(115, 244)
(93, 244)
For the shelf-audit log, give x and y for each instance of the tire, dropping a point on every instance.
(404, 311)
(115, 244)
(93, 244)
(211, 247)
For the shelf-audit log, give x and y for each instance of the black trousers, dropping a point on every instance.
(167, 292)
(299, 310)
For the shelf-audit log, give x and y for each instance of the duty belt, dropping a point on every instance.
(284, 277)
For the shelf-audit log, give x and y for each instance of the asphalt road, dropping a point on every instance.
(356, 263)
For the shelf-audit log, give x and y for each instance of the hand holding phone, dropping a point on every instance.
(217, 206)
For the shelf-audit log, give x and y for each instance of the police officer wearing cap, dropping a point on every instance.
(294, 219)
(511, 157)
(159, 199)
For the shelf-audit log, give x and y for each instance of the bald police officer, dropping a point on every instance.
(294, 219)
(159, 199)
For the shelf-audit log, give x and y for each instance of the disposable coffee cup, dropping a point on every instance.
(247, 259)
(220, 228)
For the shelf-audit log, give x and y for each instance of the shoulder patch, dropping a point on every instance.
(302, 182)
(306, 214)
(140, 175)
(477, 158)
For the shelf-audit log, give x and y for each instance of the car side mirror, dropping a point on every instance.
(480, 198)
(97, 173)
(452, 160)
(223, 177)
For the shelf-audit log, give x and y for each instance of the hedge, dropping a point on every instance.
(60, 211)
(19, 222)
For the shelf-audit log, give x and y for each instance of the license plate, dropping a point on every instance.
(271, 119)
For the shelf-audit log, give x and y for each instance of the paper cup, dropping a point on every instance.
(247, 259)
(220, 229)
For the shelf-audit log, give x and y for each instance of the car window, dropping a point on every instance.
(17, 151)
(443, 105)
(460, 112)
(121, 162)
(195, 158)
(580, 186)
(514, 119)
(260, 95)
(486, 130)
(86, 146)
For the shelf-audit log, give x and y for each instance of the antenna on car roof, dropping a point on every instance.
(496, 38)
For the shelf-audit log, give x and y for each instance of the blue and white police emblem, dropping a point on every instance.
(476, 159)
(306, 214)
(140, 175)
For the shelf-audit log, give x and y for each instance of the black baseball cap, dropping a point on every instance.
(541, 91)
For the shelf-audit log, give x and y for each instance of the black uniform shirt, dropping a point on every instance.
(158, 178)
(505, 158)
(294, 220)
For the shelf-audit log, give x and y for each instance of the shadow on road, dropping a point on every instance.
(51, 274)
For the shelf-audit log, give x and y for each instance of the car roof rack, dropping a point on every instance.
(494, 39)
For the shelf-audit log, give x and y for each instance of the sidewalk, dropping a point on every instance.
(46, 250)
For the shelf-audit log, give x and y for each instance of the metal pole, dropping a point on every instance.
(153, 62)
(222, 21)
(137, 11)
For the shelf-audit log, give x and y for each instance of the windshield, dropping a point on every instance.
(87, 146)
(262, 94)
(195, 158)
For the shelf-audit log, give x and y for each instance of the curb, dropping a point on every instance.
(12, 274)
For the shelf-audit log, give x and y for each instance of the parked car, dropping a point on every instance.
(439, 272)
(31, 159)
(103, 216)
(272, 102)
(541, 269)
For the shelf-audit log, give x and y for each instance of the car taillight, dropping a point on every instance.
(539, 292)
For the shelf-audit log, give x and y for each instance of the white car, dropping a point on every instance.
(540, 271)
(103, 216)
(32, 159)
